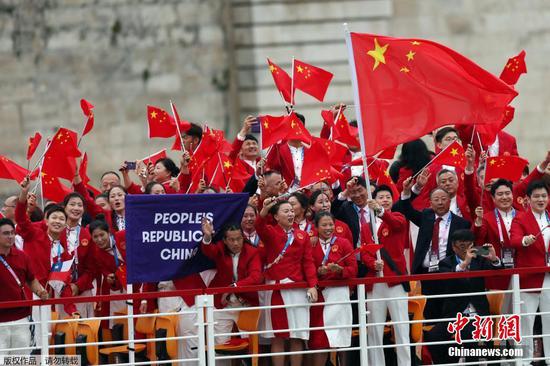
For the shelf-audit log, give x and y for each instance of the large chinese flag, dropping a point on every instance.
(11, 170)
(409, 87)
(60, 158)
(295, 129)
(453, 155)
(514, 68)
(316, 165)
(161, 124)
(34, 141)
(271, 128)
(311, 80)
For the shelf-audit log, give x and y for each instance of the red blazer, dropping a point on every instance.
(249, 270)
(37, 243)
(393, 235)
(339, 249)
(488, 233)
(280, 159)
(532, 256)
(297, 263)
(86, 259)
(341, 230)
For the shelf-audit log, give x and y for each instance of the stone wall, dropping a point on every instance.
(119, 54)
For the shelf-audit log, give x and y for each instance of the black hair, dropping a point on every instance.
(102, 195)
(320, 215)
(98, 224)
(250, 137)
(315, 195)
(353, 123)
(150, 185)
(301, 198)
(72, 195)
(110, 172)
(273, 210)
(55, 208)
(526, 170)
(5, 221)
(36, 215)
(301, 118)
(499, 183)
(194, 131)
(414, 155)
(382, 188)
(230, 227)
(169, 165)
(442, 132)
(438, 189)
(360, 181)
(114, 216)
(252, 207)
(462, 235)
(536, 184)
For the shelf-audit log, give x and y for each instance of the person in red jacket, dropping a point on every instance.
(392, 235)
(237, 264)
(289, 259)
(319, 201)
(333, 259)
(530, 235)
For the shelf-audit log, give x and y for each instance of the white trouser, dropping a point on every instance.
(377, 314)
(85, 309)
(224, 320)
(35, 314)
(530, 301)
(187, 323)
(15, 336)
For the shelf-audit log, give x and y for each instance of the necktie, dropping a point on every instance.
(435, 237)
(362, 219)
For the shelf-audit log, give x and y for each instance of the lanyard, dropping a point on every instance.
(289, 240)
(58, 249)
(115, 253)
(325, 258)
(497, 218)
(10, 270)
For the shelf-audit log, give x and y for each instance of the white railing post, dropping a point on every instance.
(200, 302)
(362, 312)
(516, 308)
(44, 333)
(210, 344)
(131, 334)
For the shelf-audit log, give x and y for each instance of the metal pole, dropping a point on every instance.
(131, 335)
(362, 305)
(516, 307)
(210, 344)
(200, 302)
(44, 331)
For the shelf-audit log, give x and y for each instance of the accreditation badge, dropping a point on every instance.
(434, 262)
(508, 257)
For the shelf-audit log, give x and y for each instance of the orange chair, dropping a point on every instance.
(123, 348)
(247, 322)
(89, 330)
(495, 308)
(167, 324)
(64, 333)
(146, 325)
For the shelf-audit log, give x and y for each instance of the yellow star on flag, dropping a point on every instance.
(378, 54)
(405, 70)
(454, 152)
(492, 162)
(153, 114)
(227, 164)
(272, 68)
(410, 55)
(299, 69)
(415, 43)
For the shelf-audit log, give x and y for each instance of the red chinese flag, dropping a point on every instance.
(388, 153)
(272, 130)
(342, 132)
(408, 88)
(59, 160)
(153, 158)
(452, 155)
(208, 147)
(89, 113)
(34, 141)
(295, 129)
(311, 80)
(53, 189)
(82, 171)
(183, 125)
(161, 124)
(281, 79)
(384, 179)
(507, 167)
(335, 151)
(513, 69)
(11, 170)
(508, 116)
(316, 165)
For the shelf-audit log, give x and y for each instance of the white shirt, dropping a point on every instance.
(542, 221)
(325, 244)
(303, 225)
(72, 237)
(235, 261)
(454, 207)
(493, 149)
(444, 227)
(57, 250)
(251, 237)
(120, 222)
(252, 163)
(298, 161)
(507, 218)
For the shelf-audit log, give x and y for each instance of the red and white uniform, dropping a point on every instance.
(325, 252)
(341, 230)
(393, 235)
(296, 265)
(535, 255)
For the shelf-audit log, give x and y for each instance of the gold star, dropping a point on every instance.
(272, 68)
(415, 43)
(492, 162)
(227, 165)
(454, 152)
(378, 54)
(292, 124)
(410, 55)
(299, 69)
(404, 69)
(266, 125)
(153, 114)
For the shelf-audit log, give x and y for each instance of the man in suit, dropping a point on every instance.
(530, 236)
(436, 225)
(463, 258)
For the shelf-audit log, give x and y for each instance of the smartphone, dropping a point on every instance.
(482, 250)
(131, 165)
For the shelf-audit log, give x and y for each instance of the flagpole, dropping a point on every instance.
(177, 122)
(220, 164)
(292, 85)
(353, 74)
(48, 144)
(335, 121)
